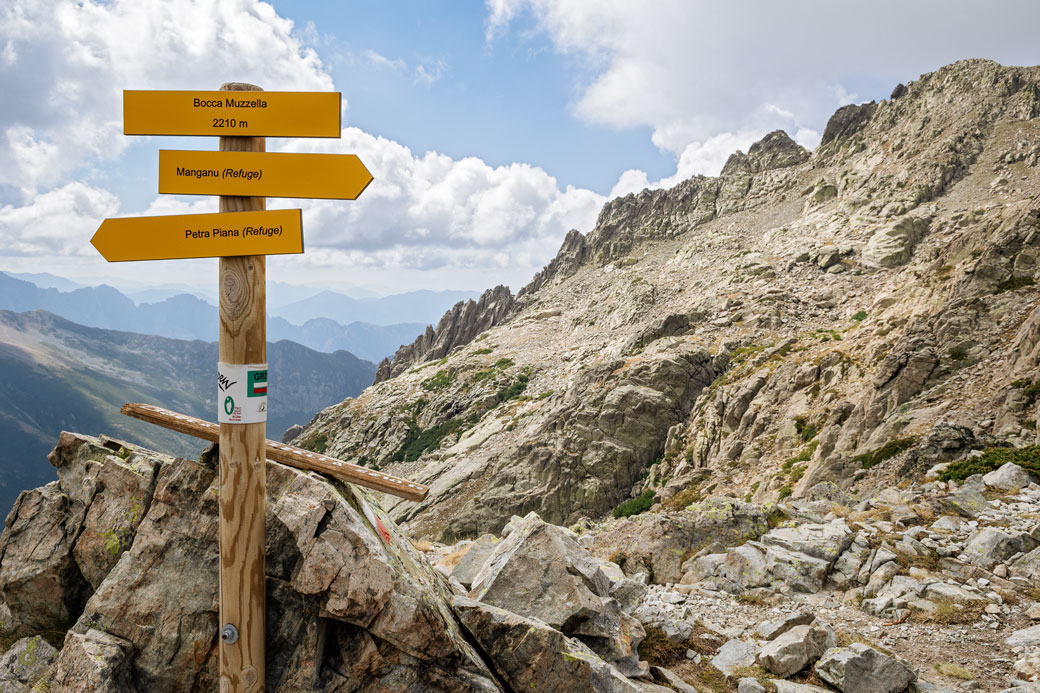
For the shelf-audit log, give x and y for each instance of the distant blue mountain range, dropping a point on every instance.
(369, 328)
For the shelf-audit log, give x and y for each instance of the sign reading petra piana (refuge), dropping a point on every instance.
(273, 232)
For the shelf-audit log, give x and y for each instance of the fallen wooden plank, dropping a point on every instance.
(286, 454)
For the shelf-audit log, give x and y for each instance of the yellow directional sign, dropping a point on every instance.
(262, 174)
(232, 113)
(275, 232)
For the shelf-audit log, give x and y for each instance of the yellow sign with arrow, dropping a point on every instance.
(262, 174)
(273, 232)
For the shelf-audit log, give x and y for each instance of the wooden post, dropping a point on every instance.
(243, 340)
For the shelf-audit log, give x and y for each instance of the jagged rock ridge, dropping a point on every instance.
(459, 326)
(760, 331)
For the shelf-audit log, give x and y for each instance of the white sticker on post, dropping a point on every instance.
(241, 393)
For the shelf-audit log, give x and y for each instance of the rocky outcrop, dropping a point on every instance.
(659, 544)
(458, 327)
(568, 259)
(350, 602)
(775, 150)
(846, 121)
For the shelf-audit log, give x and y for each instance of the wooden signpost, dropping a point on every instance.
(241, 235)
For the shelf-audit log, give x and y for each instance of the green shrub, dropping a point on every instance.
(634, 506)
(318, 444)
(889, 449)
(416, 442)
(503, 364)
(804, 456)
(785, 491)
(806, 430)
(514, 389)
(860, 316)
(992, 458)
(439, 381)
(481, 352)
(1031, 390)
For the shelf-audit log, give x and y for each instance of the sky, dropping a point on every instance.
(491, 128)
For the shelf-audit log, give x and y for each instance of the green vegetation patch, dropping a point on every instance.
(806, 431)
(993, 458)
(494, 371)
(889, 449)
(860, 316)
(481, 352)
(804, 456)
(1014, 284)
(438, 381)
(513, 389)
(318, 443)
(1031, 390)
(634, 506)
(417, 441)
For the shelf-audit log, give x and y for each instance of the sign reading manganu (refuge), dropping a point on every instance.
(262, 174)
(234, 113)
(273, 232)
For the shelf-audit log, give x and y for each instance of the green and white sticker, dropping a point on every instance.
(241, 393)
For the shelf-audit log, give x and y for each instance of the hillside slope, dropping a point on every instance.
(62, 376)
(800, 317)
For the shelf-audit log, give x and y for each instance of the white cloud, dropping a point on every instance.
(382, 61)
(64, 66)
(429, 71)
(58, 222)
(705, 75)
(429, 210)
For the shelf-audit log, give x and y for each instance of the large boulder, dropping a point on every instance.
(659, 543)
(991, 545)
(26, 663)
(1008, 477)
(823, 541)
(94, 661)
(760, 565)
(532, 656)
(797, 648)
(893, 245)
(1028, 566)
(540, 571)
(860, 668)
(734, 655)
(474, 559)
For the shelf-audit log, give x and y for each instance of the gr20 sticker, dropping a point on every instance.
(257, 381)
(241, 393)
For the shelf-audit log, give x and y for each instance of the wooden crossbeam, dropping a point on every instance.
(286, 454)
